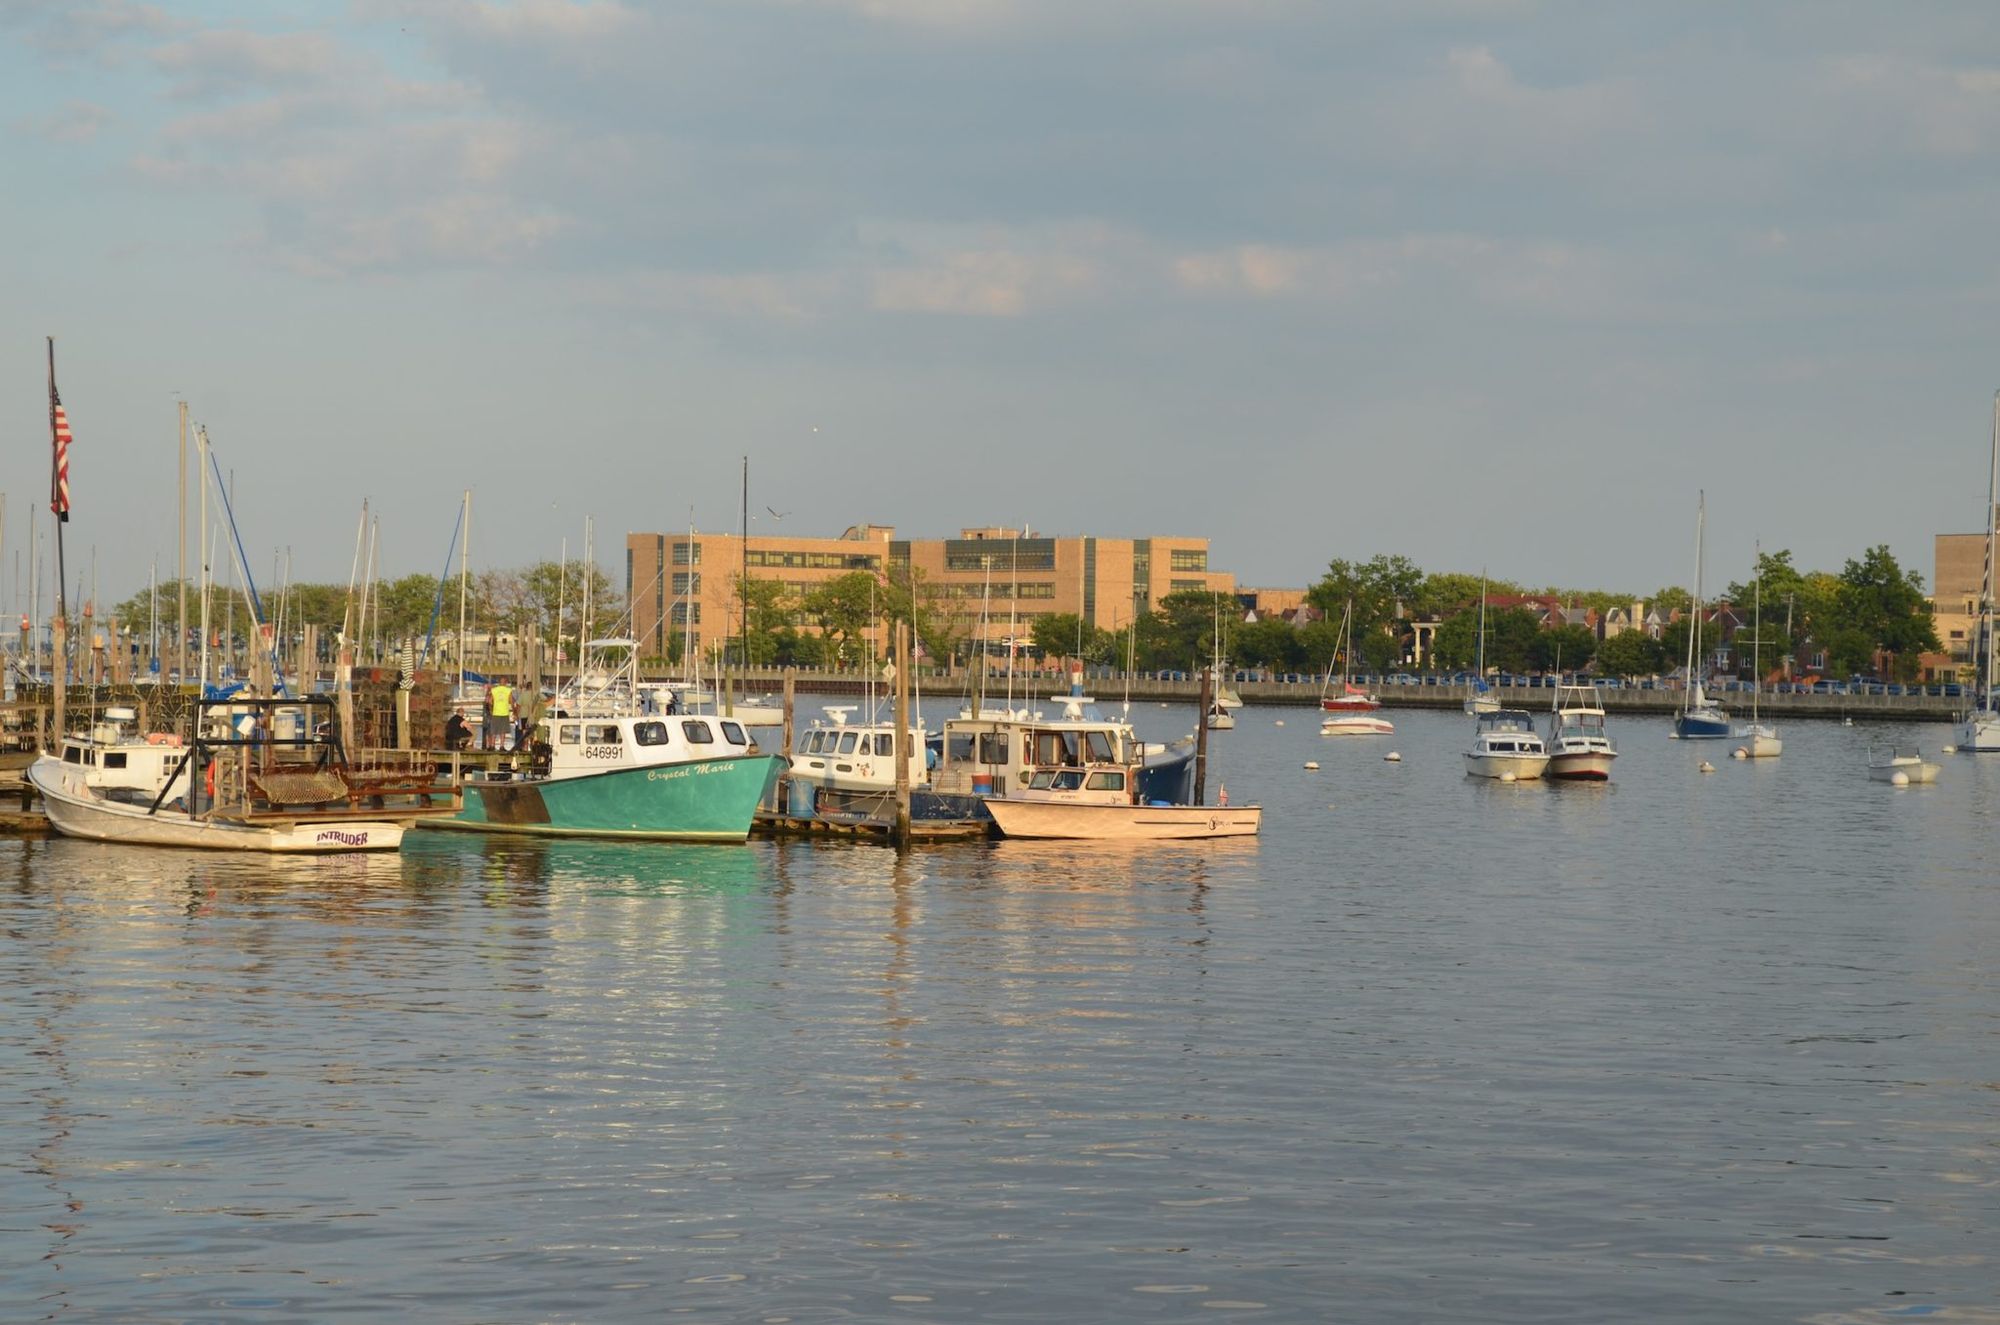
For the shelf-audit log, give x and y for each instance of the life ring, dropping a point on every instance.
(162, 738)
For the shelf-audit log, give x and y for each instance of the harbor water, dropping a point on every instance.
(1690, 1046)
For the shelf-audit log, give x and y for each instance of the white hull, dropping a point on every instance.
(1582, 765)
(1221, 721)
(1980, 734)
(1759, 743)
(74, 812)
(1523, 768)
(1123, 823)
(1918, 771)
(1478, 704)
(1357, 724)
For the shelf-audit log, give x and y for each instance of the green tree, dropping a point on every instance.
(1440, 596)
(1064, 635)
(1455, 643)
(844, 609)
(1189, 618)
(1376, 587)
(769, 614)
(1880, 607)
(1568, 647)
(1512, 636)
(1630, 653)
(1270, 642)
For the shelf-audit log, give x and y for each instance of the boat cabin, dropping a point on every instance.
(576, 746)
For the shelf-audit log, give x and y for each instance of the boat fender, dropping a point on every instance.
(1706, 767)
(1740, 753)
(1392, 758)
(1312, 765)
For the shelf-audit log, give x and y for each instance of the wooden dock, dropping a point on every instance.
(876, 831)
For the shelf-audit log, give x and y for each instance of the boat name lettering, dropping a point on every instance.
(345, 839)
(603, 752)
(687, 770)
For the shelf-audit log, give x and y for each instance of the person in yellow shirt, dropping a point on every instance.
(500, 696)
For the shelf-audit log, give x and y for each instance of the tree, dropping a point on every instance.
(1441, 596)
(1880, 608)
(1568, 647)
(1376, 587)
(1190, 617)
(1455, 643)
(769, 609)
(1270, 642)
(1511, 637)
(843, 608)
(1630, 653)
(1380, 650)
(1065, 635)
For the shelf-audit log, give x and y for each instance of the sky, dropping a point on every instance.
(1485, 283)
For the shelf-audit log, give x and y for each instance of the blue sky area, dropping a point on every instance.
(1482, 282)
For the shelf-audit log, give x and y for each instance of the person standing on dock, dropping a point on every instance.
(500, 731)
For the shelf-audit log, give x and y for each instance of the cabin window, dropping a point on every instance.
(993, 747)
(569, 734)
(732, 732)
(72, 755)
(1066, 779)
(114, 759)
(958, 747)
(885, 744)
(1043, 779)
(650, 733)
(697, 732)
(847, 740)
(1105, 782)
(604, 733)
(1098, 744)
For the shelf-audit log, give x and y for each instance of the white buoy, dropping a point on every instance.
(1740, 753)
(1312, 765)
(1392, 758)
(1707, 767)
(1899, 779)
(1847, 722)
(1279, 723)
(1508, 777)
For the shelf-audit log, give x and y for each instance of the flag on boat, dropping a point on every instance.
(59, 431)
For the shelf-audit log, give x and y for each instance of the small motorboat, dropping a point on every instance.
(1903, 761)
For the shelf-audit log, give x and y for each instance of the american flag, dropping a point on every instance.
(59, 484)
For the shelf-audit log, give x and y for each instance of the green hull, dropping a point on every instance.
(707, 800)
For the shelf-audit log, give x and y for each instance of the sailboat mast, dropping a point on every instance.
(464, 550)
(1694, 609)
(1986, 590)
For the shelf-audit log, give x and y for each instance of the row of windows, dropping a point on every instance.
(695, 731)
(1188, 559)
(1197, 585)
(999, 590)
(815, 560)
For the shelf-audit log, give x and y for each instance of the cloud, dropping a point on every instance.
(223, 62)
(74, 122)
(90, 29)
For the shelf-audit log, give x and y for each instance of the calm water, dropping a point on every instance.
(1716, 1047)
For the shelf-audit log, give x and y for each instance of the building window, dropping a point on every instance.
(687, 554)
(686, 582)
(1188, 559)
(681, 613)
(1182, 586)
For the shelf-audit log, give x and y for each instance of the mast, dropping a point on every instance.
(1694, 610)
(201, 472)
(1757, 637)
(728, 705)
(464, 550)
(1986, 589)
(181, 550)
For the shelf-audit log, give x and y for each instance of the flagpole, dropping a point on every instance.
(59, 506)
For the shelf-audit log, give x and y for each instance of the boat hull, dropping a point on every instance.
(1350, 704)
(73, 812)
(1701, 727)
(1123, 823)
(705, 800)
(1356, 724)
(1582, 765)
(1760, 743)
(1980, 734)
(1521, 767)
(1918, 773)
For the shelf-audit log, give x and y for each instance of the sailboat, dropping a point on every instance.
(1220, 719)
(1699, 719)
(1357, 717)
(1481, 699)
(1350, 698)
(1979, 728)
(1760, 739)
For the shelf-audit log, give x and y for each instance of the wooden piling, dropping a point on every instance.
(1201, 736)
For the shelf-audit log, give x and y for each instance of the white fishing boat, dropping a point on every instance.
(843, 768)
(1759, 739)
(1979, 726)
(237, 786)
(1350, 698)
(1904, 762)
(1480, 697)
(1100, 802)
(1700, 718)
(1578, 747)
(1506, 747)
